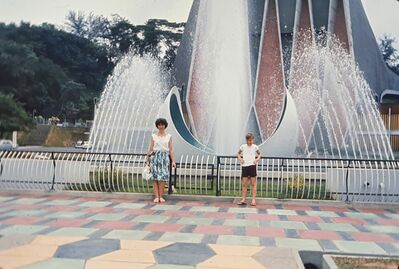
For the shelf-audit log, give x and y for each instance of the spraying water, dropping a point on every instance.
(220, 85)
(124, 119)
(337, 112)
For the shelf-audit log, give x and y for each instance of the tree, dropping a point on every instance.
(158, 38)
(389, 52)
(12, 116)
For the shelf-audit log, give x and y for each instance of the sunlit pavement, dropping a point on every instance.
(69, 230)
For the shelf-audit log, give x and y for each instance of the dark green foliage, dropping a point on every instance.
(58, 72)
(12, 116)
(389, 52)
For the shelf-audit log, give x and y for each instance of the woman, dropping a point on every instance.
(160, 150)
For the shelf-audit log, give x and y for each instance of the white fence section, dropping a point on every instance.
(284, 178)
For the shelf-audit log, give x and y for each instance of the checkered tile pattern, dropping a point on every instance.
(339, 229)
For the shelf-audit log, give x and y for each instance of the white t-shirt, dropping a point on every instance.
(248, 154)
(161, 143)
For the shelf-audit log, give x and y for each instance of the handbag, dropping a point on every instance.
(146, 172)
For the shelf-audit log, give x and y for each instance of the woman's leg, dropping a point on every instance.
(161, 190)
(156, 191)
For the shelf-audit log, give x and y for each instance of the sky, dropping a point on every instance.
(383, 14)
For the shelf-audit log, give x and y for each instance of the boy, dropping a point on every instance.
(249, 156)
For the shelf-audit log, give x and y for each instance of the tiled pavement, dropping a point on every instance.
(61, 230)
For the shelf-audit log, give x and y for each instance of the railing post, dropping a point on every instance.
(347, 183)
(218, 191)
(109, 189)
(54, 166)
(170, 189)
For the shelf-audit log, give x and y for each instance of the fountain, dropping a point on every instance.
(279, 69)
(124, 119)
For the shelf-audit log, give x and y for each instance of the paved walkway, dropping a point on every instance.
(62, 230)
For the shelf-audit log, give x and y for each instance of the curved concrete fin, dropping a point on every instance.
(283, 142)
(270, 80)
(183, 140)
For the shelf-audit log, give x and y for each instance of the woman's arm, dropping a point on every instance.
(150, 150)
(172, 153)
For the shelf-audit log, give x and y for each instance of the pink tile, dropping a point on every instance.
(251, 216)
(99, 210)
(222, 204)
(190, 203)
(349, 220)
(214, 229)
(24, 207)
(313, 219)
(120, 225)
(163, 227)
(138, 211)
(179, 214)
(297, 207)
(68, 222)
(67, 208)
(22, 220)
(265, 232)
(265, 206)
(334, 208)
(220, 215)
(371, 210)
(319, 235)
(393, 222)
(373, 237)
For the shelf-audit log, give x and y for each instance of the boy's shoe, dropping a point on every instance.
(242, 203)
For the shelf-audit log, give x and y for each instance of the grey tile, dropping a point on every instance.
(326, 219)
(209, 239)
(188, 228)
(346, 236)
(291, 233)
(183, 254)
(239, 230)
(140, 226)
(267, 241)
(86, 249)
(153, 236)
(312, 226)
(99, 233)
(389, 248)
(218, 222)
(172, 220)
(282, 217)
(328, 246)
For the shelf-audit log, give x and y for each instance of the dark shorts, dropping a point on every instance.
(249, 171)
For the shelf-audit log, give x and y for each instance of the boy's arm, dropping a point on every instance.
(239, 156)
(258, 156)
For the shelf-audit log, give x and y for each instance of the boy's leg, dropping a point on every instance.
(156, 191)
(253, 189)
(244, 188)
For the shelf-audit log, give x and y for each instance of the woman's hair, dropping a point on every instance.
(249, 136)
(161, 121)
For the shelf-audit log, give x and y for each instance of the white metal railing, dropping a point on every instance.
(285, 178)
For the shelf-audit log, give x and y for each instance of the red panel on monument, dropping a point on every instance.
(340, 29)
(270, 91)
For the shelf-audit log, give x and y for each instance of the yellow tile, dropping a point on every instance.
(124, 255)
(235, 250)
(12, 262)
(143, 245)
(94, 264)
(230, 262)
(44, 251)
(56, 240)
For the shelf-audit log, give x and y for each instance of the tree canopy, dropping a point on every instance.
(59, 71)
